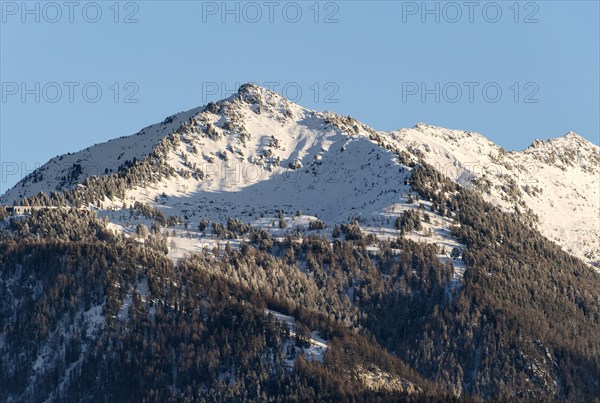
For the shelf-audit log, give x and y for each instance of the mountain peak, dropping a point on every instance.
(571, 136)
(568, 140)
(255, 94)
(569, 150)
(251, 90)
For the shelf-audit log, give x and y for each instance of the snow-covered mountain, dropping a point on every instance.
(255, 154)
(199, 272)
(557, 180)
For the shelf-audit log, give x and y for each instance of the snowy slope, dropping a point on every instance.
(259, 154)
(65, 171)
(255, 154)
(557, 180)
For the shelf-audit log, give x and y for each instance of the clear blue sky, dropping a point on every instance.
(383, 62)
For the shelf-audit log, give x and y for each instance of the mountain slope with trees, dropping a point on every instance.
(164, 281)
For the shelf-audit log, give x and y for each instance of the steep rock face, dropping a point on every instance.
(258, 152)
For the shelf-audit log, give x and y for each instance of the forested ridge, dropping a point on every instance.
(87, 315)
